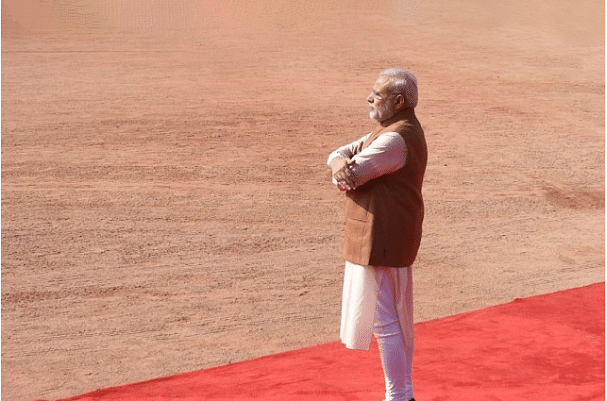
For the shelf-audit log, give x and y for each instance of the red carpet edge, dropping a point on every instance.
(547, 347)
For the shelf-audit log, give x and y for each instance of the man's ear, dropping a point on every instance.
(400, 102)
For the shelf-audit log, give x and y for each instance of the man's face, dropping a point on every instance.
(381, 101)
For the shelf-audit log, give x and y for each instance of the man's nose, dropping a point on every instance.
(370, 98)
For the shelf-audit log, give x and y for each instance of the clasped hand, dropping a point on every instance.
(342, 174)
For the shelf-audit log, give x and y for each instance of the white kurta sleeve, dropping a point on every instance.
(384, 155)
(348, 151)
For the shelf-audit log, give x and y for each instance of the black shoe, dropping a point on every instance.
(412, 399)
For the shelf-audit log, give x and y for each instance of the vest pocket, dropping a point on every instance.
(357, 206)
(357, 242)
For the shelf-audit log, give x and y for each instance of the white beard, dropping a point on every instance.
(382, 113)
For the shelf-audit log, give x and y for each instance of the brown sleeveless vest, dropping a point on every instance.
(384, 216)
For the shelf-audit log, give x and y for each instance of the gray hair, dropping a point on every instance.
(403, 83)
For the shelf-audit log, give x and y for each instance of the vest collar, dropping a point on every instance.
(394, 123)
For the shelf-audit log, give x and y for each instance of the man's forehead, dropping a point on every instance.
(381, 84)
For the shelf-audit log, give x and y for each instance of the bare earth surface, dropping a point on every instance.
(165, 201)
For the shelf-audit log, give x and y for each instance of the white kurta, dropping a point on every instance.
(362, 284)
(359, 302)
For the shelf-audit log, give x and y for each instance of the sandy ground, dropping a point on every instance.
(165, 201)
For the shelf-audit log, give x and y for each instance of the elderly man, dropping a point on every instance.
(382, 174)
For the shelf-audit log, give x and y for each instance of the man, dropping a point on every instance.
(382, 175)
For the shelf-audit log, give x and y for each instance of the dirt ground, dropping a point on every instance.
(165, 201)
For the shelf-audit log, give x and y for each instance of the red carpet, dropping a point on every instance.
(549, 347)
